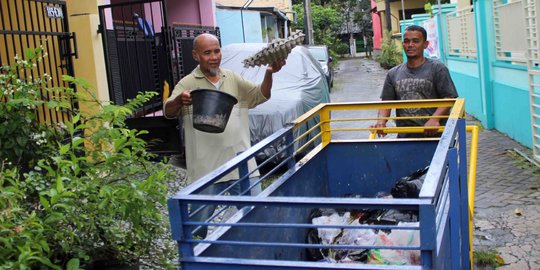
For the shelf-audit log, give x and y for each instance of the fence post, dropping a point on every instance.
(483, 17)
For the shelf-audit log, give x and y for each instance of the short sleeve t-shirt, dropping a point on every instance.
(429, 81)
(207, 151)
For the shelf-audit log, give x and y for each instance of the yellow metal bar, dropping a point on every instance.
(387, 118)
(301, 136)
(306, 144)
(325, 128)
(455, 103)
(411, 129)
(324, 110)
(308, 115)
(392, 104)
(472, 184)
(458, 110)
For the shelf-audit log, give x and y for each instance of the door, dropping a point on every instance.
(29, 24)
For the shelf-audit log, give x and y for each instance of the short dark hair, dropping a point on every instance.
(417, 28)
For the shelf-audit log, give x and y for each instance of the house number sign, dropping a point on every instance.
(54, 12)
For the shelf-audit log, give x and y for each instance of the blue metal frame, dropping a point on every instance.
(269, 230)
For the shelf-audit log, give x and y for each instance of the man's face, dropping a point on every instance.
(414, 44)
(208, 54)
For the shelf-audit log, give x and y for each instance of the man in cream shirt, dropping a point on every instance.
(207, 151)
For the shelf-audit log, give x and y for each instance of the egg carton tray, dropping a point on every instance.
(276, 50)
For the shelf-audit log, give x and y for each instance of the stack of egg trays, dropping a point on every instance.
(276, 51)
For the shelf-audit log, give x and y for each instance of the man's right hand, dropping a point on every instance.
(184, 98)
(172, 107)
(379, 125)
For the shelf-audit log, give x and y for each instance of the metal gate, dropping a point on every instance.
(134, 42)
(144, 53)
(28, 24)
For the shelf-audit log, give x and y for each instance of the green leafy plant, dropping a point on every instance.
(326, 22)
(83, 191)
(391, 54)
(23, 137)
(341, 48)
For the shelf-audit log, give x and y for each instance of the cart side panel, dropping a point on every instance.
(442, 256)
(310, 180)
(365, 168)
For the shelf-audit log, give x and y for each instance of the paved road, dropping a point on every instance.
(356, 80)
(507, 208)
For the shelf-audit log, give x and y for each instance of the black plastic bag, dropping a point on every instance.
(410, 186)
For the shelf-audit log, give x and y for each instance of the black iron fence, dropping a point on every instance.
(135, 50)
(181, 45)
(28, 24)
(143, 53)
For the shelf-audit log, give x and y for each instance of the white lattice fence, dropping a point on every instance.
(510, 31)
(462, 33)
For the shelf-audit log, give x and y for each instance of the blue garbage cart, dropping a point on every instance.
(269, 230)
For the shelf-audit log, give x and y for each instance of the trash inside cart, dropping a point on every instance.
(340, 200)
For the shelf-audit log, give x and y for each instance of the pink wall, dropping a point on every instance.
(195, 12)
(199, 12)
(153, 15)
(377, 27)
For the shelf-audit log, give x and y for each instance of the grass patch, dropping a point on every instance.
(487, 258)
(522, 163)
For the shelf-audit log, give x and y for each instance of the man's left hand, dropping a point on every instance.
(276, 66)
(431, 127)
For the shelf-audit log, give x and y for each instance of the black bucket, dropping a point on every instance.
(211, 109)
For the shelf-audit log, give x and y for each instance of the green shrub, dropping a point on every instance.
(80, 192)
(391, 54)
(22, 137)
(342, 48)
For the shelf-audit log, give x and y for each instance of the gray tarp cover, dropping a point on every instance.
(299, 86)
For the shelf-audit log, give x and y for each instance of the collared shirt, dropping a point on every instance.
(207, 151)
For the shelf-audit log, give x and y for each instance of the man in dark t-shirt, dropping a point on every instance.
(418, 78)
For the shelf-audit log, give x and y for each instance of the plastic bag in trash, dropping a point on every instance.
(341, 236)
(397, 238)
(394, 216)
(315, 254)
(326, 216)
(410, 186)
(328, 235)
(358, 237)
(325, 235)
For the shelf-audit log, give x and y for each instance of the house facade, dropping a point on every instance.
(492, 51)
(253, 21)
(399, 10)
(95, 21)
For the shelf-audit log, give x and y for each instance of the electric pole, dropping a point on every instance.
(307, 22)
(388, 14)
